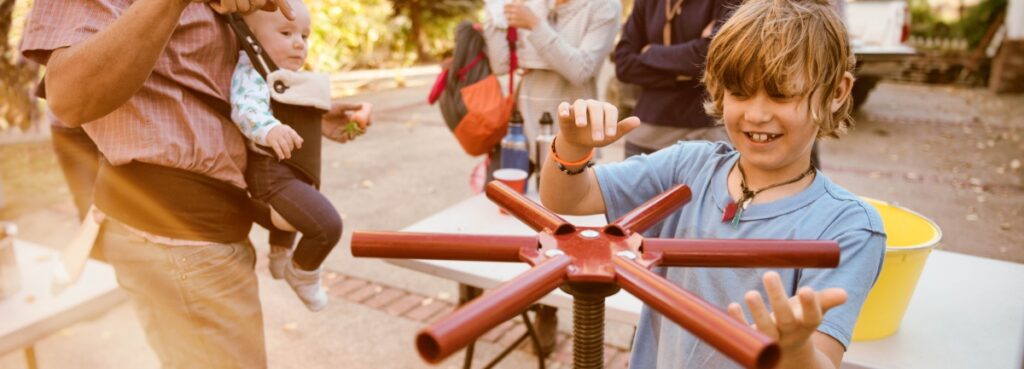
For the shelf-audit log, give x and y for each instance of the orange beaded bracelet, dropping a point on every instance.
(563, 165)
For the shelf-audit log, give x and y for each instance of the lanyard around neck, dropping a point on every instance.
(672, 9)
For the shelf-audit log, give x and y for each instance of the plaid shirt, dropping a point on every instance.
(166, 122)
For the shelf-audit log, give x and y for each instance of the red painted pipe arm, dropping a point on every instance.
(744, 253)
(654, 210)
(458, 329)
(531, 213)
(736, 340)
(404, 245)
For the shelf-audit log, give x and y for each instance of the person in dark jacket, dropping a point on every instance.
(664, 55)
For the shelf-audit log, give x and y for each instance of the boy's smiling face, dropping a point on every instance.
(284, 40)
(772, 133)
(774, 128)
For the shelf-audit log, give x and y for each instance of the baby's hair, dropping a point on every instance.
(790, 48)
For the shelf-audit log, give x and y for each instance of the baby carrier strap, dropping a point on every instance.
(305, 120)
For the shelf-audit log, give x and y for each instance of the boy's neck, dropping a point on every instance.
(757, 178)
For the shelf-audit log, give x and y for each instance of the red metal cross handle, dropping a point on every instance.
(563, 254)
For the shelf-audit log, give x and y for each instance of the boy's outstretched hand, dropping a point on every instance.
(793, 322)
(283, 139)
(592, 123)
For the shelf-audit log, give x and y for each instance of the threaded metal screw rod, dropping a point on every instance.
(588, 332)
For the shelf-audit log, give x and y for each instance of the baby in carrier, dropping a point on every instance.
(275, 174)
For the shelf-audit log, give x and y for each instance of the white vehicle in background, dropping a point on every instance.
(878, 30)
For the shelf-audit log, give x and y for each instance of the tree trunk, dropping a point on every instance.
(416, 33)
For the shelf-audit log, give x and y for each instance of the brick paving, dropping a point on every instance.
(426, 310)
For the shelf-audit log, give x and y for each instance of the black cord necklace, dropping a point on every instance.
(734, 211)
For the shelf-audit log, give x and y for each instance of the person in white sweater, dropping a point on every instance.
(562, 45)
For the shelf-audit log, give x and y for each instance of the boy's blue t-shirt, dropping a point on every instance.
(822, 211)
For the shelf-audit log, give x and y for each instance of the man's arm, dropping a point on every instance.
(113, 63)
(628, 67)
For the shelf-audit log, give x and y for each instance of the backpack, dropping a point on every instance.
(469, 65)
(470, 96)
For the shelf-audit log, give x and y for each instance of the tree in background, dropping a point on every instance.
(430, 23)
(17, 76)
(351, 34)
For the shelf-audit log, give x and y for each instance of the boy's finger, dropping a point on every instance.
(286, 8)
(596, 117)
(811, 308)
(611, 116)
(736, 312)
(759, 312)
(579, 112)
(296, 140)
(830, 298)
(627, 125)
(565, 119)
(779, 300)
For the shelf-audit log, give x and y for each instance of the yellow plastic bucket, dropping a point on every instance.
(911, 237)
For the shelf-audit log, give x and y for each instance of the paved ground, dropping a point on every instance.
(947, 153)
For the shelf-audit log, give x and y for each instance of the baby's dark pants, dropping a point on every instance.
(285, 190)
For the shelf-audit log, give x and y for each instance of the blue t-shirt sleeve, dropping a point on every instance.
(862, 249)
(630, 183)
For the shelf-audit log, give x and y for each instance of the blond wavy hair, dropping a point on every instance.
(787, 47)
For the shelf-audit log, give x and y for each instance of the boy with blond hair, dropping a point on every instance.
(778, 77)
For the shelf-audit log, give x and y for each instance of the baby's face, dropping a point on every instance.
(284, 40)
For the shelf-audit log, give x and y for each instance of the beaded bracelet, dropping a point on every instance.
(563, 165)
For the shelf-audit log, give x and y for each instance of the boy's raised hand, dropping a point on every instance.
(592, 123)
(283, 139)
(792, 321)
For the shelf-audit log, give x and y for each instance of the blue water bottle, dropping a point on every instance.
(514, 148)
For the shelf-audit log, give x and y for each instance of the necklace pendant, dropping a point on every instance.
(736, 219)
(730, 211)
